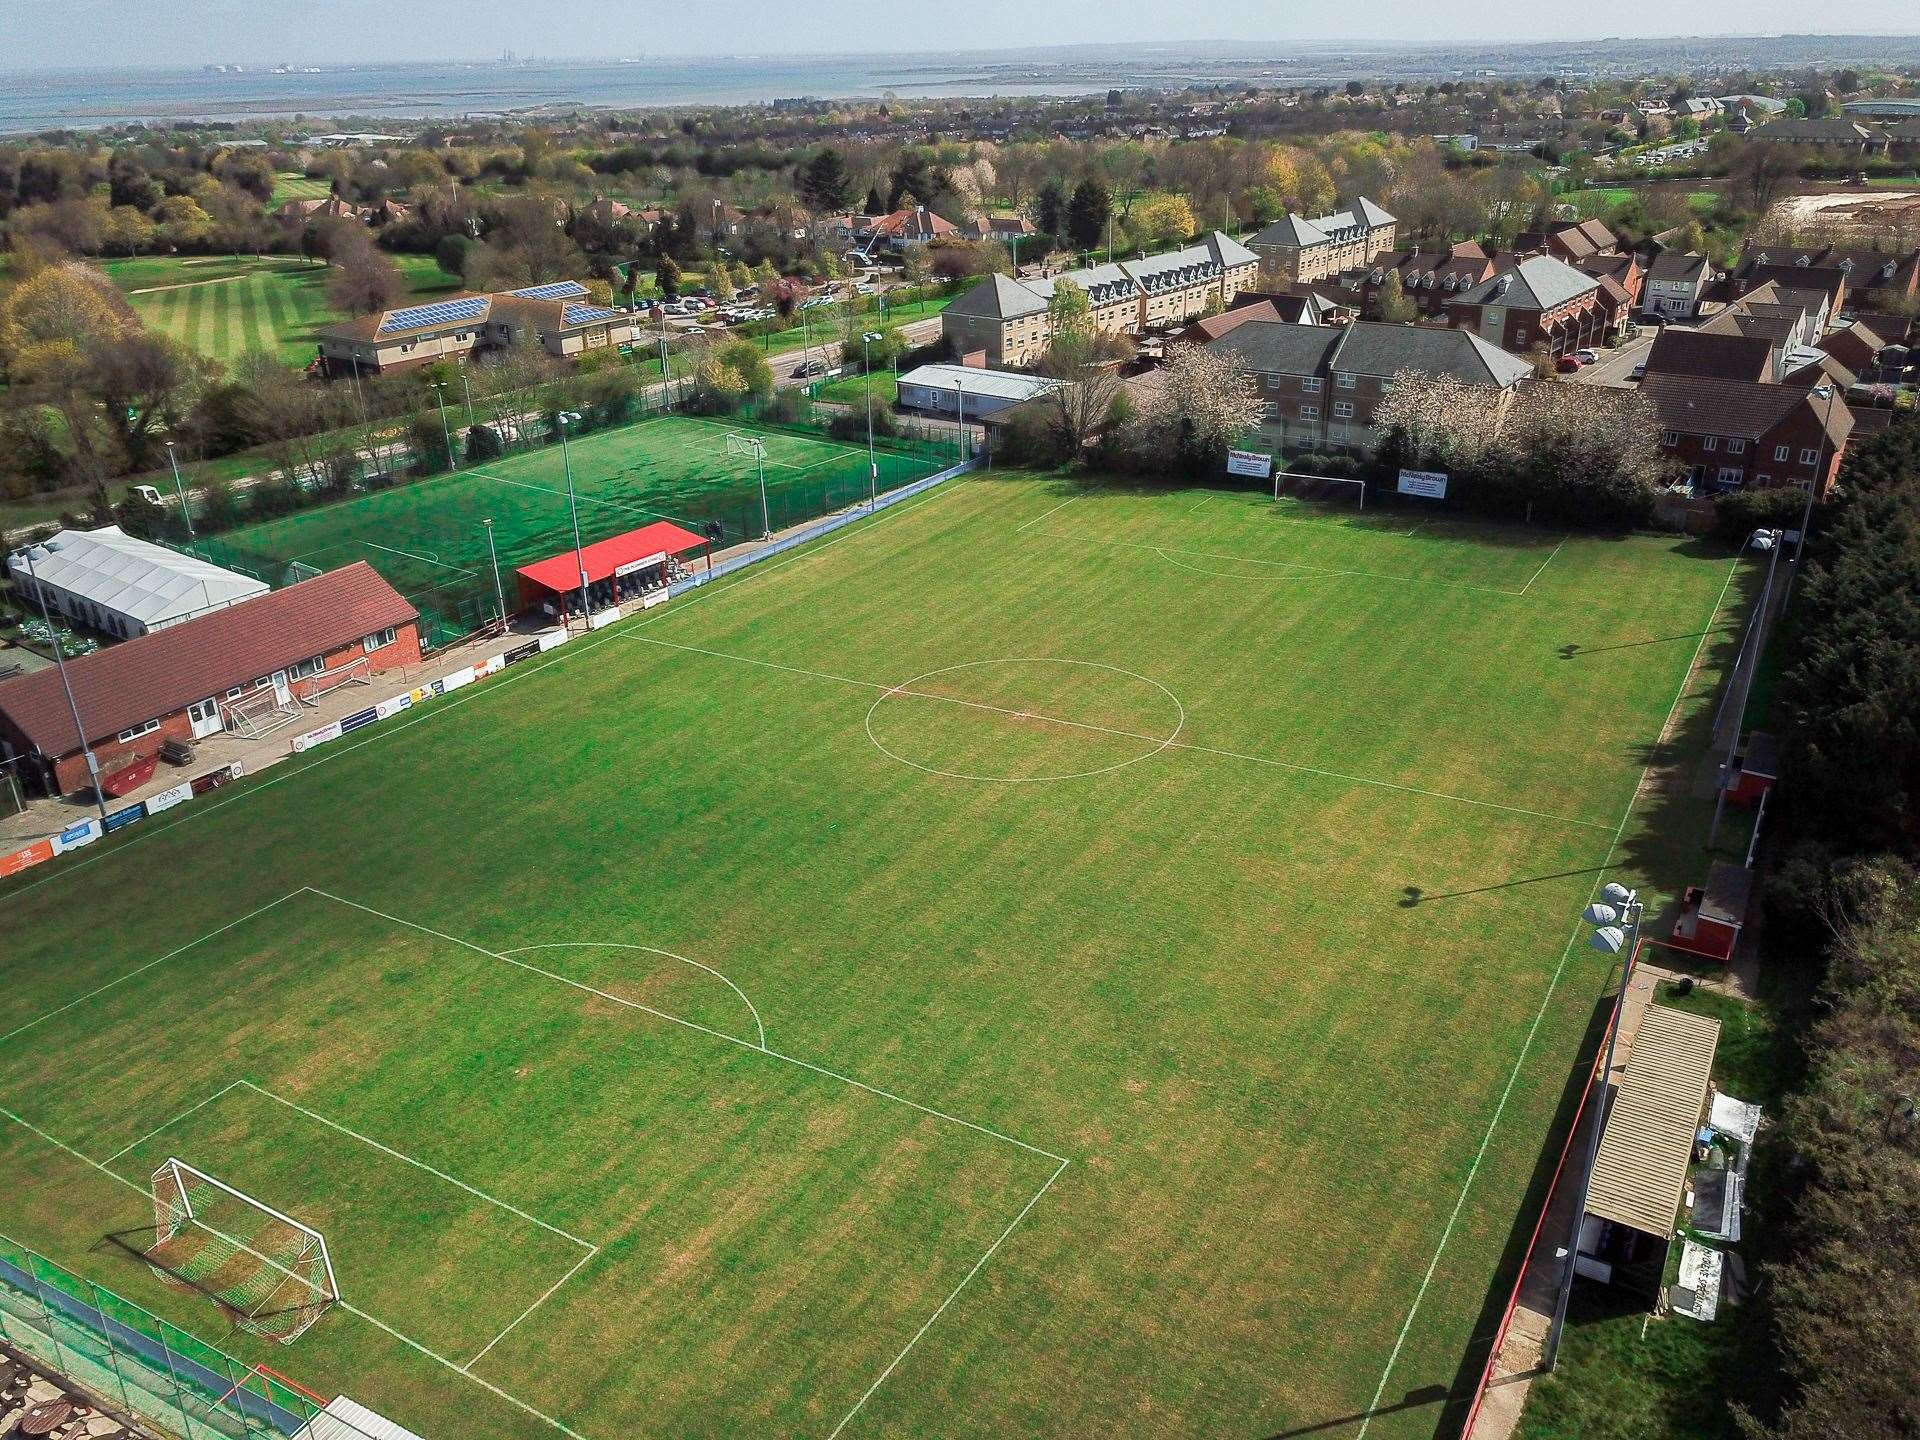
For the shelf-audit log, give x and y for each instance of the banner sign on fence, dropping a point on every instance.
(120, 819)
(1249, 462)
(655, 597)
(1428, 484)
(521, 652)
(424, 692)
(356, 721)
(167, 799)
(74, 836)
(492, 665)
(14, 861)
(602, 617)
(302, 743)
(553, 640)
(456, 680)
(394, 705)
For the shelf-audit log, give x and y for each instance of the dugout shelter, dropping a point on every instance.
(636, 565)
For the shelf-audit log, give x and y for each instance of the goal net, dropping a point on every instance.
(1327, 489)
(270, 1273)
(256, 716)
(746, 446)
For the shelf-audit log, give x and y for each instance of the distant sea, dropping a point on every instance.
(86, 99)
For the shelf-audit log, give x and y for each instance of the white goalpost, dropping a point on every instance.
(1335, 488)
(754, 448)
(271, 1273)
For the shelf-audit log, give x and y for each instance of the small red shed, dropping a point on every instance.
(1711, 915)
(1755, 769)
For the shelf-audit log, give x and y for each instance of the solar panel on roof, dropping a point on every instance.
(439, 313)
(556, 290)
(584, 314)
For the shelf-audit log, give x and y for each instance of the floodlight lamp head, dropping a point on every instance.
(1616, 893)
(1608, 939)
(1600, 913)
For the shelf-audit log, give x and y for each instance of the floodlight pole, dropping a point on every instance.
(73, 706)
(1746, 689)
(440, 391)
(179, 489)
(499, 591)
(1630, 947)
(573, 506)
(466, 390)
(873, 466)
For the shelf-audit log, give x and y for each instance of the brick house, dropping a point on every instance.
(1319, 386)
(1571, 242)
(1428, 278)
(1540, 304)
(1742, 434)
(1875, 280)
(1716, 355)
(1296, 250)
(179, 683)
(1675, 285)
(1006, 319)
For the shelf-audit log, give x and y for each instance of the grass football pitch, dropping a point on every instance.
(223, 306)
(429, 534)
(1046, 960)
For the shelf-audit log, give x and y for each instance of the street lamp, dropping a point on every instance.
(1742, 685)
(73, 706)
(499, 592)
(562, 420)
(1615, 918)
(186, 512)
(440, 393)
(873, 465)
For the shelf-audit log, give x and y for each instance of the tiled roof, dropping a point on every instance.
(1712, 353)
(1670, 267)
(1291, 231)
(1368, 348)
(998, 297)
(129, 684)
(1538, 282)
(1700, 405)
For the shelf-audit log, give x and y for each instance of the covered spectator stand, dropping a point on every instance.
(637, 565)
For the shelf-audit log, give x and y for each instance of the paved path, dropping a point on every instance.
(1615, 367)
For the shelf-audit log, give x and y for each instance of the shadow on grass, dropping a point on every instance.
(1413, 895)
(1412, 1400)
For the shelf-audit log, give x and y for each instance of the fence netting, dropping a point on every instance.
(136, 1363)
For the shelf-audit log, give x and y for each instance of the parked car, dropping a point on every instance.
(808, 368)
(147, 493)
(1570, 365)
(1639, 371)
(1587, 357)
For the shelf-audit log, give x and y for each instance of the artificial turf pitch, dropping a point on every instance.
(429, 534)
(1179, 1073)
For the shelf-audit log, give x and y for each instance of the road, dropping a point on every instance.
(1615, 367)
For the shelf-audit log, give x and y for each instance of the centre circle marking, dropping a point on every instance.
(905, 688)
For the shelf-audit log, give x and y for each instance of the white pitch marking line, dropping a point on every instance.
(978, 1266)
(1552, 984)
(651, 950)
(122, 979)
(688, 1024)
(1161, 741)
(375, 734)
(1543, 565)
(1283, 564)
(468, 1367)
(169, 1124)
(355, 1310)
(388, 1150)
(1038, 518)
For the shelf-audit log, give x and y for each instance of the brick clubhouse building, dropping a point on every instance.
(560, 318)
(187, 682)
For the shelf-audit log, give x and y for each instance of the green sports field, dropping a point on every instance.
(428, 537)
(224, 306)
(1044, 961)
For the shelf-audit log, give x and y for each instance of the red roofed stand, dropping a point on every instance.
(635, 566)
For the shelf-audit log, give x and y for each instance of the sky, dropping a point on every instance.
(36, 34)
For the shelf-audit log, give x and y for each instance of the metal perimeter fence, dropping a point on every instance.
(134, 1362)
(454, 601)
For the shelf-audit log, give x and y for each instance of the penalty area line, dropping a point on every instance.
(952, 1295)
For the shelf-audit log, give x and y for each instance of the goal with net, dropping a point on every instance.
(269, 1272)
(750, 447)
(1330, 489)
